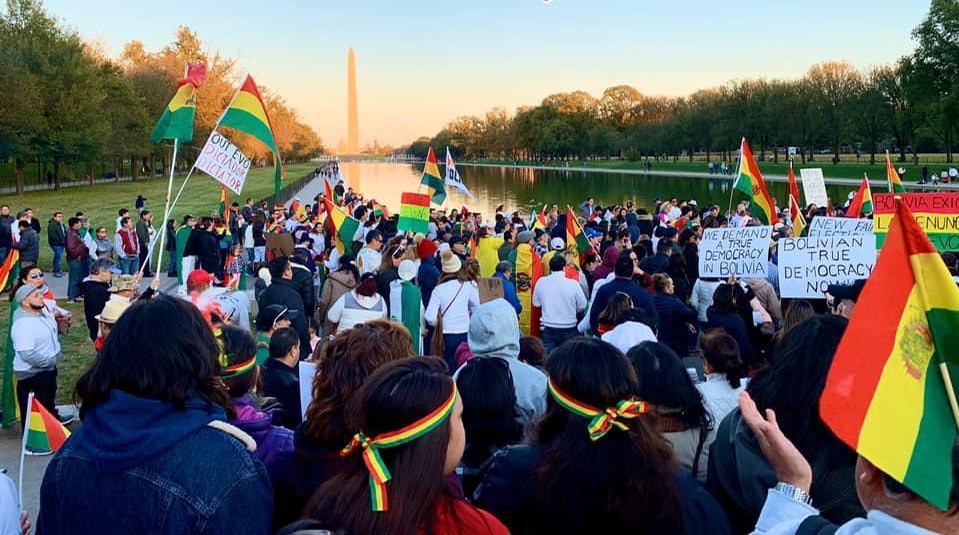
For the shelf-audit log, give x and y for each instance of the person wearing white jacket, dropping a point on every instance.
(359, 305)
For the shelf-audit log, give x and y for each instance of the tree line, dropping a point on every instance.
(908, 107)
(68, 105)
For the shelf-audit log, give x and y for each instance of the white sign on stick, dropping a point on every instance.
(743, 252)
(306, 370)
(807, 266)
(224, 162)
(822, 227)
(814, 187)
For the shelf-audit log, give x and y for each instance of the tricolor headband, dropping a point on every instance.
(379, 473)
(601, 421)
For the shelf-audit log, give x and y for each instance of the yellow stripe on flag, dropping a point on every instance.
(249, 103)
(932, 275)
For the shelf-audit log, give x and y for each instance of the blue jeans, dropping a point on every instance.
(129, 265)
(554, 337)
(57, 257)
(78, 270)
(450, 343)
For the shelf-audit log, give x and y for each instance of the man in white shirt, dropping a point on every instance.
(369, 257)
(561, 299)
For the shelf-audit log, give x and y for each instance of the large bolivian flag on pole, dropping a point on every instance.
(432, 179)
(177, 119)
(247, 113)
(750, 181)
(885, 395)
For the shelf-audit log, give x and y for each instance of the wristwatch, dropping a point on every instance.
(794, 492)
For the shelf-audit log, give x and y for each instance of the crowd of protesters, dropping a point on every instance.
(606, 391)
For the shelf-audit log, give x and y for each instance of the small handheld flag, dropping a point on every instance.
(895, 183)
(795, 212)
(862, 202)
(431, 179)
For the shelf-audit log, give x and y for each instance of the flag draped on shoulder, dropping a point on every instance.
(177, 119)
(453, 177)
(895, 183)
(432, 180)
(750, 181)
(886, 394)
(795, 212)
(44, 431)
(248, 113)
(862, 202)
(527, 269)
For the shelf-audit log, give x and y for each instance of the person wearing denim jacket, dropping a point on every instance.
(154, 453)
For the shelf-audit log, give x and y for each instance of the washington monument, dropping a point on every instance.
(353, 127)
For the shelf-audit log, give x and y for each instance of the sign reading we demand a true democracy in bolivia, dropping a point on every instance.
(936, 213)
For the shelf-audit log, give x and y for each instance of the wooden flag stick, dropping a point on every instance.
(950, 392)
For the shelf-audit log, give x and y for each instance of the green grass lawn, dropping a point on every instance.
(102, 201)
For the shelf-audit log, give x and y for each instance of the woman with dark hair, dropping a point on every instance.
(724, 314)
(532, 351)
(341, 369)
(677, 272)
(154, 443)
(725, 374)
(241, 375)
(596, 463)
(791, 386)
(489, 416)
(408, 419)
(691, 255)
(797, 312)
(676, 318)
(677, 407)
(610, 316)
(339, 282)
(359, 305)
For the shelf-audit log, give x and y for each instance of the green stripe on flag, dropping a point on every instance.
(174, 125)
(250, 124)
(942, 241)
(8, 398)
(346, 232)
(437, 188)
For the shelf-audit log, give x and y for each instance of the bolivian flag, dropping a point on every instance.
(247, 113)
(177, 119)
(527, 269)
(344, 228)
(575, 236)
(895, 183)
(885, 395)
(44, 432)
(795, 212)
(432, 179)
(750, 181)
(862, 201)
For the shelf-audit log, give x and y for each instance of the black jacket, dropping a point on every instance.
(733, 324)
(56, 233)
(303, 282)
(286, 293)
(509, 487)
(673, 317)
(202, 245)
(640, 297)
(658, 263)
(281, 382)
(95, 295)
(6, 233)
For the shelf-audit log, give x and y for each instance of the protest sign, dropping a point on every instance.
(414, 213)
(807, 266)
(936, 213)
(822, 227)
(224, 162)
(814, 187)
(306, 370)
(278, 245)
(743, 252)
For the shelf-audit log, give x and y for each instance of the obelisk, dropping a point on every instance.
(353, 127)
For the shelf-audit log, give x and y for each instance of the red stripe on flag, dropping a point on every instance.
(54, 429)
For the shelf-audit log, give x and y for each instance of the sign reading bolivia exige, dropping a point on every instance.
(936, 213)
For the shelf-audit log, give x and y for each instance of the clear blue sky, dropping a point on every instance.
(421, 63)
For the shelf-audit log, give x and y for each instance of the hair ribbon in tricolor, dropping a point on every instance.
(600, 421)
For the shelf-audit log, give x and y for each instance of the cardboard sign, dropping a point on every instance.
(823, 227)
(278, 244)
(936, 213)
(490, 288)
(814, 187)
(224, 162)
(306, 372)
(743, 252)
(807, 266)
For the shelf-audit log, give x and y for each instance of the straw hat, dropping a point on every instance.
(112, 311)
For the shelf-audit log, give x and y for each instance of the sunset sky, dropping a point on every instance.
(421, 63)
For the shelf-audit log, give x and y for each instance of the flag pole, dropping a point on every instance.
(166, 215)
(950, 393)
(23, 447)
(739, 172)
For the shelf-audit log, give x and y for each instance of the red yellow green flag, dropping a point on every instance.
(527, 269)
(414, 213)
(10, 269)
(177, 119)
(224, 203)
(795, 212)
(540, 221)
(885, 395)
(45, 432)
(344, 227)
(432, 179)
(861, 202)
(248, 113)
(895, 183)
(574, 234)
(750, 181)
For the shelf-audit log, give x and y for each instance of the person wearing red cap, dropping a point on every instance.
(232, 307)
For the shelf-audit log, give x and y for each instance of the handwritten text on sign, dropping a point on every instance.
(807, 266)
(822, 227)
(814, 187)
(936, 213)
(224, 162)
(743, 252)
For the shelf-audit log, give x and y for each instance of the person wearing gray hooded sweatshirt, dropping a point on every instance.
(494, 332)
